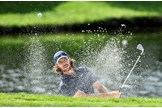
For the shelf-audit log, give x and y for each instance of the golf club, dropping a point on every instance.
(139, 47)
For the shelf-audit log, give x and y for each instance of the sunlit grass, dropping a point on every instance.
(16, 40)
(23, 100)
(70, 37)
(69, 13)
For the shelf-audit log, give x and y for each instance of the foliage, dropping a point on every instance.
(59, 13)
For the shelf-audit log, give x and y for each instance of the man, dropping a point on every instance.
(78, 81)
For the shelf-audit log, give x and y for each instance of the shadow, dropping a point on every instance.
(149, 6)
(138, 25)
(27, 6)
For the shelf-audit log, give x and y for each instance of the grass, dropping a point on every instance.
(77, 45)
(75, 40)
(8, 40)
(30, 100)
(15, 48)
(60, 13)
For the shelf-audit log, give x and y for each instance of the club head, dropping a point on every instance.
(140, 47)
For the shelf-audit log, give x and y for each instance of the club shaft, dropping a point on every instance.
(131, 71)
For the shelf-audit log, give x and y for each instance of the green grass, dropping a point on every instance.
(78, 46)
(65, 39)
(77, 37)
(30, 100)
(15, 48)
(60, 13)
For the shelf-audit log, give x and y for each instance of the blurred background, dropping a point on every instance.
(100, 35)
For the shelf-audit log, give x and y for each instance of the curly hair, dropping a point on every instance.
(58, 71)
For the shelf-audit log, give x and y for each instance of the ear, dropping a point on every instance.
(55, 66)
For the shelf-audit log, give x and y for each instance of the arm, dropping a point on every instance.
(101, 88)
(103, 95)
(103, 92)
(97, 85)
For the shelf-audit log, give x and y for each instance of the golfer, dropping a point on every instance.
(78, 81)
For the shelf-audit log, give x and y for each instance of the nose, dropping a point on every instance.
(64, 62)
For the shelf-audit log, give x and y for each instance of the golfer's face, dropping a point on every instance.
(64, 63)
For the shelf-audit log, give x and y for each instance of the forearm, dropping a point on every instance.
(103, 89)
(102, 95)
(115, 94)
(100, 88)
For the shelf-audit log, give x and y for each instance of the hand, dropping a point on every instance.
(79, 93)
(116, 94)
